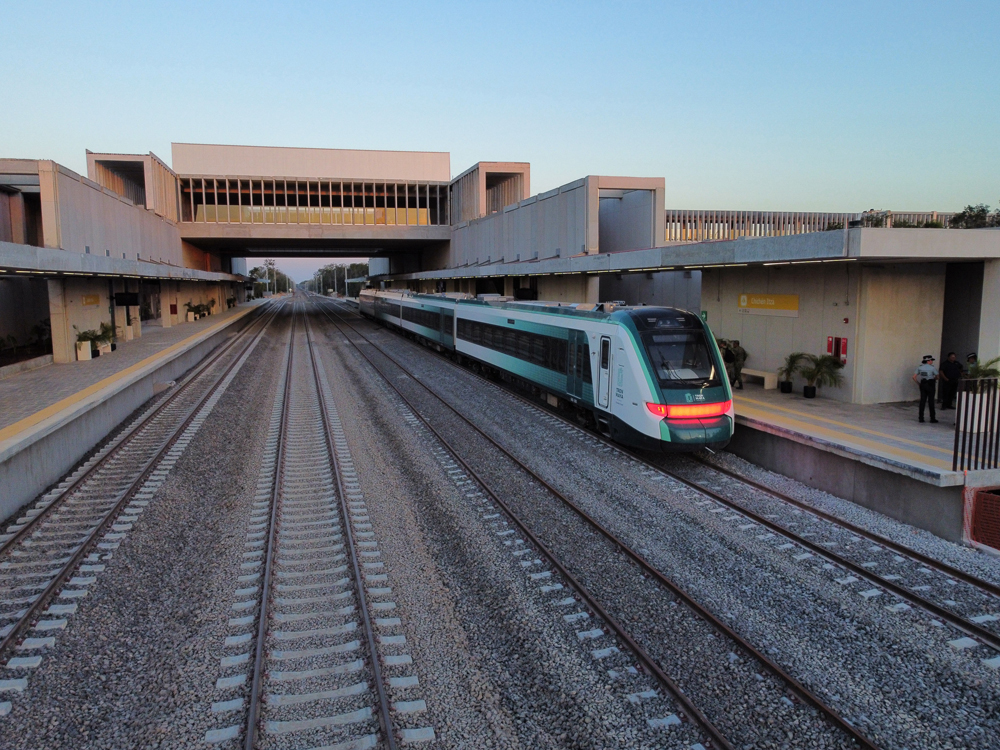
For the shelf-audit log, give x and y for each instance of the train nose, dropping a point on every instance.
(707, 430)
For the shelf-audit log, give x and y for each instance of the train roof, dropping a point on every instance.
(642, 316)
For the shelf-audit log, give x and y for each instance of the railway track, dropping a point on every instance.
(659, 587)
(974, 611)
(323, 636)
(52, 553)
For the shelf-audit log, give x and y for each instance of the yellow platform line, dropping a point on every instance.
(839, 437)
(876, 433)
(40, 416)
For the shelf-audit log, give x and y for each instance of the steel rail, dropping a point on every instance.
(385, 716)
(969, 628)
(59, 580)
(253, 710)
(121, 441)
(803, 692)
(854, 529)
(650, 664)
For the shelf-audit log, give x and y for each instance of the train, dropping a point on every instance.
(648, 377)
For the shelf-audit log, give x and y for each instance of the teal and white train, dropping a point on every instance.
(650, 377)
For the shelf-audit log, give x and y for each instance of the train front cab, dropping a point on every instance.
(678, 398)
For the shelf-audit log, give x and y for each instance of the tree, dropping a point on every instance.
(975, 217)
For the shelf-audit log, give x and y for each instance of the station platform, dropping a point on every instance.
(877, 455)
(52, 416)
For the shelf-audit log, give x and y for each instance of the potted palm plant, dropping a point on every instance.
(103, 338)
(820, 371)
(793, 362)
(85, 343)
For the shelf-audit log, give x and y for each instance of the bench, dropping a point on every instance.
(770, 378)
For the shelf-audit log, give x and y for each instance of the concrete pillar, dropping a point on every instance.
(48, 178)
(989, 315)
(593, 288)
(63, 336)
(18, 220)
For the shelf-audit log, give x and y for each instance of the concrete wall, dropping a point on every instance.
(828, 293)
(901, 312)
(939, 510)
(893, 316)
(77, 213)
(989, 318)
(23, 304)
(680, 289)
(575, 288)
(549, 225)
(263, 161)
(378, 266)
(627, 220)
(75, 305)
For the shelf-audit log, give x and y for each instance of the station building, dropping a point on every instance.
(137, 240)
(73, 248)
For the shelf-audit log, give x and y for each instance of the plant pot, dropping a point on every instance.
(809, 391)
(191, 317)
(82, 351)
(785, 386)
(104, 348)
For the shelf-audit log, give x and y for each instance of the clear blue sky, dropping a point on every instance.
(789, 106)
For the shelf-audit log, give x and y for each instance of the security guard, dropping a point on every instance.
(925, 376)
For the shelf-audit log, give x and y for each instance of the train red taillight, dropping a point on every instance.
(690, 411)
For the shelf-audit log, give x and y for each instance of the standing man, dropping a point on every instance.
(729, 360)
(925, 377)
(951, 372)
(741, 356)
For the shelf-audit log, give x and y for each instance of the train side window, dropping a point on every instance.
(605, 354)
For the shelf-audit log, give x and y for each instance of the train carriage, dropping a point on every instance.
(650, 377)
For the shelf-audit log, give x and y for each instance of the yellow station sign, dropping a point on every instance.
(90, 299)
(781, 305)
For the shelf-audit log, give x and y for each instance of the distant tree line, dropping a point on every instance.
(975, 217)
(269, 276)
(331, 279)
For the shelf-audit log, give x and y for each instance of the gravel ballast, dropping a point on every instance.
(502, 666)
(133, 665)
(894, 673)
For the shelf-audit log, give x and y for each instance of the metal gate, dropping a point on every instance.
(977, 412)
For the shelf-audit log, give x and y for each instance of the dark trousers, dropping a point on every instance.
(949, 389)
(927, 398)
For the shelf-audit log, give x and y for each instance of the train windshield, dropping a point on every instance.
(681, 359)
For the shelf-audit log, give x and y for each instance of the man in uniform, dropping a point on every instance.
(740, 355)
(925, 377)
(728, 359)
(951, 372)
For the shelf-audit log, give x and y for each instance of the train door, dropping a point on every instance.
(575, 363)
(604, 376)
